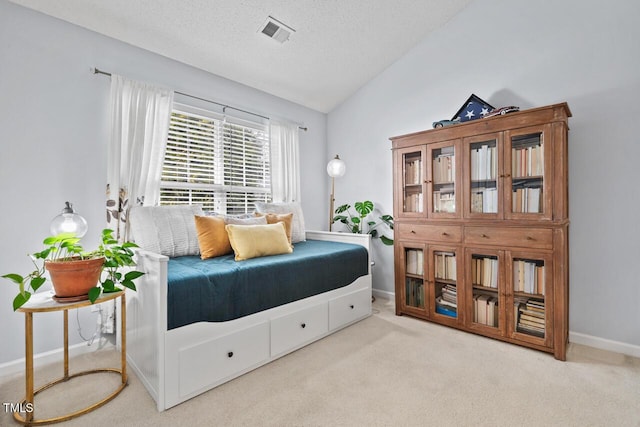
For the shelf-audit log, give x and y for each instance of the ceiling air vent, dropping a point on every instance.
(276, 30)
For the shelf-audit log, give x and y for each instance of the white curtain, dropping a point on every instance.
(285, 162)
(140, 114)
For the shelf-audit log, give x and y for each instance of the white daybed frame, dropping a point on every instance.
(181, 363)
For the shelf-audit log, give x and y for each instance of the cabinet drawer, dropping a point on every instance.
(348, 308)
(534, 238)
(439, 233)
(293, 330)
(209, 362)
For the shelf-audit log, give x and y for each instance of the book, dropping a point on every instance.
(412, 261)
(447, 311)
(492, 312)
(481, 309)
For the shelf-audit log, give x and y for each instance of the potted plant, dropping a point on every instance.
(356, 223)
(75, 272)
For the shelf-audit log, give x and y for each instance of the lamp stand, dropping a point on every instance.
(332, 199)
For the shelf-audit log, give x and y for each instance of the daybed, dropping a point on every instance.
(182, 358)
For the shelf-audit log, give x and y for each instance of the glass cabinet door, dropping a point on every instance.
(484, 157)
(531, 297)
(444, 199)
(445, 284)
(527, 156)
(412, 182)
(484, 275)
(414, 295)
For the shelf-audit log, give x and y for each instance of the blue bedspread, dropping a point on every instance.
(221, 289)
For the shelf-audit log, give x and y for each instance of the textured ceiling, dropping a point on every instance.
(337, 47)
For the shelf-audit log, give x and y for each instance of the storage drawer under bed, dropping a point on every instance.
(349, 308)
(212, 361)
(295, 329)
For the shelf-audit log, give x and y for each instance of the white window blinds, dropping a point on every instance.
(219, 162)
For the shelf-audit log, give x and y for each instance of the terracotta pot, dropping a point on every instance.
(74, 277)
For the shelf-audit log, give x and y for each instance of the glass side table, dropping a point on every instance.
(41, 303)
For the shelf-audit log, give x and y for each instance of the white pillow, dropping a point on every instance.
(253, 220)
(297, 224)
(167, 230)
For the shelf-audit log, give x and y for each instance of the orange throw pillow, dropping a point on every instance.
(286, 219)
(212, 236)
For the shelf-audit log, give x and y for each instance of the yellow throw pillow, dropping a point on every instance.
(286, 219)
(252, 241)
(212, 236)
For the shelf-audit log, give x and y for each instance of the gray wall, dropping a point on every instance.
(528, 54)
(54, 119)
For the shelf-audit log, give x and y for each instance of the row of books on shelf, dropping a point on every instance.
(415, 261)
(447, 301)
(414, 293)
(527, 161)
(527, 199)
(528, 276)
(485, 309)
(484, 200)
(413, 202)
(484, 163)
(445, 265)
(413, 171)
(444, 168)
(444, 201)
(530, 317)
(484, 271)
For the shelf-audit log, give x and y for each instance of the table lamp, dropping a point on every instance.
(69, 222)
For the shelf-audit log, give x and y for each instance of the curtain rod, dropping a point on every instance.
(224, 106)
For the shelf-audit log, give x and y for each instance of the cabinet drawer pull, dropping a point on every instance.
(427, 181)
(530, 238)
(230, 354)
(303, 325)
(413, 231)
(351, 306)
(484, 236)
(444, 233)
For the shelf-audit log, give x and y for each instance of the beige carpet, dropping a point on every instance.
(383, 371)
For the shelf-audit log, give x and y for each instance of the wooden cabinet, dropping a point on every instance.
(482, 221)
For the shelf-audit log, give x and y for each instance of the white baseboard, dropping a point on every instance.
(54, 356)
(383, 294)
(604, 344)
(574, 337)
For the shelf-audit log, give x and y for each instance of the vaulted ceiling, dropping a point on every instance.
(337, 45)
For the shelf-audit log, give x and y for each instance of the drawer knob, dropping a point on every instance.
(413, 231)
(230, 354)
(484, 236)
(303, 325)
(351, 306)
(530, 238)
(444, 233)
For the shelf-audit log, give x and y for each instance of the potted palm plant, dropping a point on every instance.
(75, 273)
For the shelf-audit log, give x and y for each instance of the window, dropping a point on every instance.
(219, 162)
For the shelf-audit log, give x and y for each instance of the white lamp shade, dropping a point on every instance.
(69, 222)
(336, 167)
